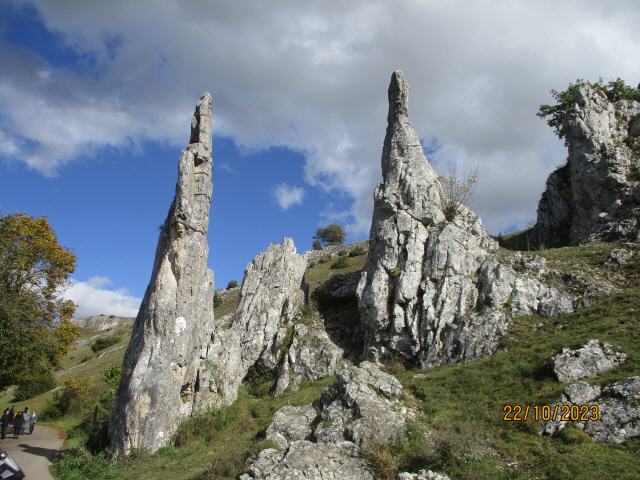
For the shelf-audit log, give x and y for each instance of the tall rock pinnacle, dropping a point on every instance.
(160, 375)
(434, 290)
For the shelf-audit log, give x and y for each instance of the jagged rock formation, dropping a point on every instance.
(598, 190)
(591, 360)
(619, 410)
(160, 374)
(102, 322)
(435, 290)
(423, 475)
(362, 409)
(262, 335)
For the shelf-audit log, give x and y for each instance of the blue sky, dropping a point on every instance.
(96, 100)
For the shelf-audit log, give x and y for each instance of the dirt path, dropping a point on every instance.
(35, 452)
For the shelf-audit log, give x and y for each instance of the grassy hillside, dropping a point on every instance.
(459, 429)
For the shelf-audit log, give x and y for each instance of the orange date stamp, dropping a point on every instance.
(546, 413)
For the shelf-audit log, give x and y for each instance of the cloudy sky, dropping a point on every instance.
(96, 99)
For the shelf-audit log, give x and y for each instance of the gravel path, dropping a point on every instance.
(35, 452)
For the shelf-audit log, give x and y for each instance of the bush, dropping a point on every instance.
(217, 300)
(359, 250)
(342, 253)
(324, 259)
(35, 384)
(456, 193)
(69, 399)
(232, 284)
(340, 263)
(317, 245)
(104, 342)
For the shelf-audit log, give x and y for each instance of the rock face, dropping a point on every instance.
(255, 335)
(102, 322)
(324, 440)
(160, 382)
(435, 290)
(618, 404)
(591, 360)
(598, 190)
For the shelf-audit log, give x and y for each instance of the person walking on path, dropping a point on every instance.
(33, 419)
(5, 422)
(25, 419)
(18, 422)
(12, 414)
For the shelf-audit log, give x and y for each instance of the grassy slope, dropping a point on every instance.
(460, 405)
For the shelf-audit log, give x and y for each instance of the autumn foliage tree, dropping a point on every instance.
(35, 320)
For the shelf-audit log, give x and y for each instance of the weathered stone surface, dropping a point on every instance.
(270, 298)
(102, 322)
(597, 191)
(313, 461)
(434, 290)
(619, 413)
(619, 409)
(423, 475)
(324, 440)
(591, 360)
(160, 375)
(618, 258)
(310, 356)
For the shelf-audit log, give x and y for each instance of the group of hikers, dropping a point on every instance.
(19, 421)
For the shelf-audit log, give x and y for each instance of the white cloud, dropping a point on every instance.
(92, 299)
(287, 196)
(313, 76)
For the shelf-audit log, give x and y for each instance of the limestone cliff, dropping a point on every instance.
(160, 382)
(597, 192)
(434, 290)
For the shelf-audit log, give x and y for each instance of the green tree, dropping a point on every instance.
(232, 284)
(317, 244)
(555, 114)
(34, 318)
(330, 235)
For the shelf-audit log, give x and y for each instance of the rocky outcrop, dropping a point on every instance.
(598, 190)
(590, 360)
(361, 410)
(102, 322)
(435, 289)
(618, 418)
(255, 335)
(160, 382)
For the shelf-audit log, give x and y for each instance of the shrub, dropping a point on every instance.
(232, 284)
(85, 358)
(359, 250)
(104, 342)
(217, 300)
(69, 399)
(324, 259)
(455, 193)
(317, 245)
(342, 253)
(35, 384)
(340, 263)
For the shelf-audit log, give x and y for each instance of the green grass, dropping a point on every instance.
(320, 273)
(215, 445)
(229, 304)
(461, 405)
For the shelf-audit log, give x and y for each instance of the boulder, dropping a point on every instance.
(361, 410)
(160, 383)
(590, 360)
(618, 258)
(435, 288)
(619, 410)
